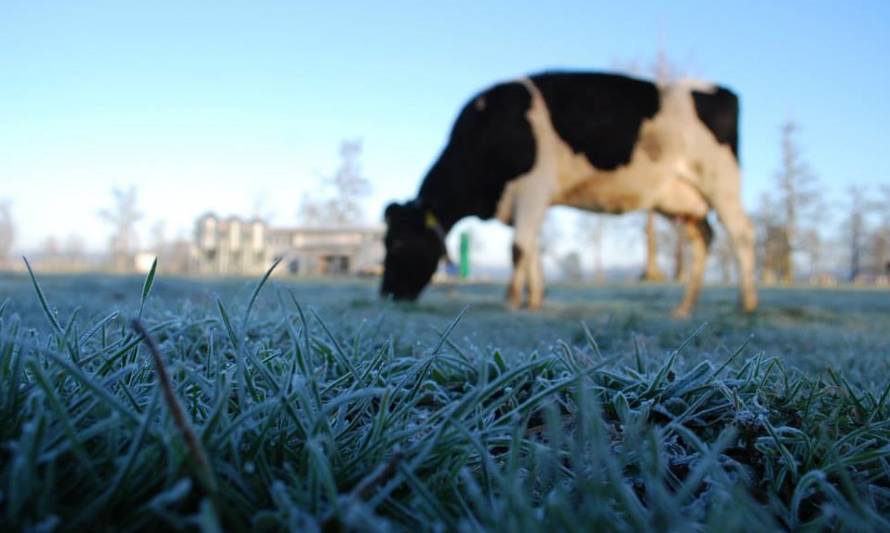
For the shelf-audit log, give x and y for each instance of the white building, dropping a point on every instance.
(234, 246)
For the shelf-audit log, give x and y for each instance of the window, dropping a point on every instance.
(335, 264)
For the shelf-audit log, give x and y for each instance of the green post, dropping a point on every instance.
(464, 255)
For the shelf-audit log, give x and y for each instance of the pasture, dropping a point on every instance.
(314, 405)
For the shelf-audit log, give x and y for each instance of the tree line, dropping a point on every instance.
(802, 236)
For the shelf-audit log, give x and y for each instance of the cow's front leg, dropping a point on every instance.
(517, 279)
(535, 280)
(529, 215)
(700, 236)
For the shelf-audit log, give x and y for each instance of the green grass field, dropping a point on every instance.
(313, 405)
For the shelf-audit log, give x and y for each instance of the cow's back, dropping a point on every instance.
(598, 114)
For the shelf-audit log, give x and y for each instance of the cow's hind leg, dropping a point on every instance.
(720, 183)
(700, 236)
(741, 233)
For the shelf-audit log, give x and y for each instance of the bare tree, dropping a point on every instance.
(344, 207)
(570, 266)
(772, 241)
(50, 247)
(877, 252)
(7, 230)
(854, 230)
(680, 249)
(671, 247)
(879, 248)
(74, 250)
(653, 272)
(865, 234)
(157, 237)
(663, 69)
(722, 252)
(311, 212)
(122, 217)
(548, 238)
(798, 200)
(590, 229)
(349, 184)
(811, 243)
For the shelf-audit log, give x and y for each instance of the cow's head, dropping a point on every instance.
(414, 244)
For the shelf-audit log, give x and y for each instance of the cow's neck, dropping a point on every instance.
(446, 215)
(448, 197)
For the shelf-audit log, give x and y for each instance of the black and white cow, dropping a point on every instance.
(600, 142)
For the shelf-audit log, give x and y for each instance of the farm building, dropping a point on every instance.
(233, 245)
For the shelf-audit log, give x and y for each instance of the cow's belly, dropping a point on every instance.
(632, 189)
(611, 192)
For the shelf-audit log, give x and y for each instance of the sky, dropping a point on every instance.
(227, 106)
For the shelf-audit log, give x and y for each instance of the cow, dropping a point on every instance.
(600, 142)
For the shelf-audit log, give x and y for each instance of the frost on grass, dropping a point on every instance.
(296, 426)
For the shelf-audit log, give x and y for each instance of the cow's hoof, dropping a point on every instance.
(749, 304)
(514, 298)
(534, 306)
(681, 311)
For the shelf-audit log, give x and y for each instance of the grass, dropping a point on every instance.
(148, 404)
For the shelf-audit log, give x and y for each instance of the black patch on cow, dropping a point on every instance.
(598, 115)
(490, 144)
(719, 111)
(517, 255)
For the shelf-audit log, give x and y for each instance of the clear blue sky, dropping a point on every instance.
(212, 105)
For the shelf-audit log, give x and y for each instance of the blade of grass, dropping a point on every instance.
(146, 286)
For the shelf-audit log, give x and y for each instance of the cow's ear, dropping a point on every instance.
(390, 211)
